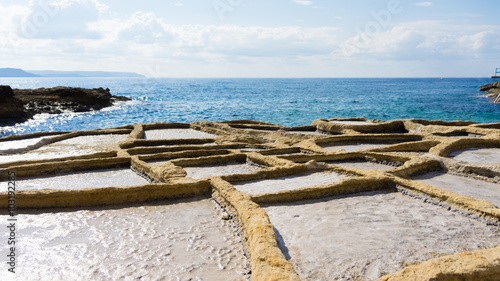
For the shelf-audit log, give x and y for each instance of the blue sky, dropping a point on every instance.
(254, 38)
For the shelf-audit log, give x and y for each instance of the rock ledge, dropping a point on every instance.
(19, 105)
(492, 91)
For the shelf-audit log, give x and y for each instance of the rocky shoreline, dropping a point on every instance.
(19, 105)
(492, 91)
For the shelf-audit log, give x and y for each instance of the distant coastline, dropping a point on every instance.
(17, 72)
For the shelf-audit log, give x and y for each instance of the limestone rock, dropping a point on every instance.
(490, 86)
(313, 165)
(492, 90)
(476, 265)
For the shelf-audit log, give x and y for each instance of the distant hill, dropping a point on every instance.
(16, 72)
(52, 73)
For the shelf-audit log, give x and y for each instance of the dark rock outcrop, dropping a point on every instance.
(18, 105)
(492, 91)
(6, 92)
(11, 109)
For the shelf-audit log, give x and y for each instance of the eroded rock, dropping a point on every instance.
(492, 90)
(19, 105)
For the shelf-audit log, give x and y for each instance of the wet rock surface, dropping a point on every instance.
(19, 105)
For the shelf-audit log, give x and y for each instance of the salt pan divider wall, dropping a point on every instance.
(266, 259)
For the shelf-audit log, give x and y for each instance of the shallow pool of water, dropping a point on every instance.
(183, 240)
(362, 165)
(177, 134)
(478, 156)
(353, 147)
(76, 146)
(99, 178)
(13, 146)
(464, 186)
(288, 183)
(365, 236)
(219, 170)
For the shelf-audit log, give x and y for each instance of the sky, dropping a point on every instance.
(254, 38)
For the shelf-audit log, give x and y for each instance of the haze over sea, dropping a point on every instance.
(289, 102)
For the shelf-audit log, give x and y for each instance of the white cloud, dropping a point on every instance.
(63, 19)
(144, 28)
(145, 31)
(86, 4)
(303, 2)
(177, 4)
(99, 40)
(10, 16)
(424, 40)
(424, 4)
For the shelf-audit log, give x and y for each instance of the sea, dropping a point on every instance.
(284, 101)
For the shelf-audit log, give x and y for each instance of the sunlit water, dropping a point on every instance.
(290, 102)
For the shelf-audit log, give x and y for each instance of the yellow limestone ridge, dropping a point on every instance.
(369, 156)
(481, 265)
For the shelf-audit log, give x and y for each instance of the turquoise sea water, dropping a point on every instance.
(290, 102)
